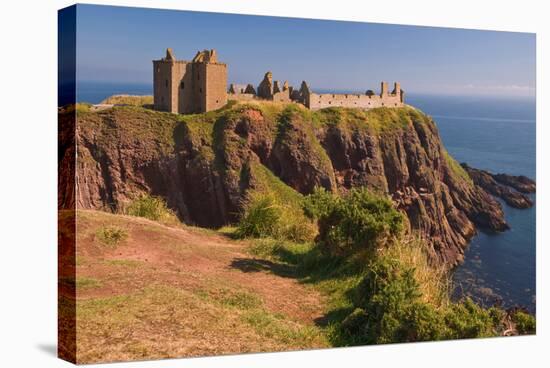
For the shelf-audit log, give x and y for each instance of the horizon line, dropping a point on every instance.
(421, 92)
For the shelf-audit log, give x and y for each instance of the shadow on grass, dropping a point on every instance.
(335, 315)
(310, 266)
(248, 265)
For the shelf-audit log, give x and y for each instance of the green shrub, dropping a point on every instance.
(421, 322)
(525, 323)
(355, 323)
(265, 216)
(261, 218)
(319, 203)
(468, 320)
(386, 281)
(111, 235)
(152, 208)
(390, 297)
(358, 221)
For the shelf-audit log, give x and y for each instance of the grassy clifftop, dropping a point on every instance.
(206, 165)
(332, 203)
(128, 100)
(379, 119)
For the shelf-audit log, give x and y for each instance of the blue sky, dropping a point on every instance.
(117, 44)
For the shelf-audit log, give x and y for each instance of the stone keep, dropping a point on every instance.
(187, 87)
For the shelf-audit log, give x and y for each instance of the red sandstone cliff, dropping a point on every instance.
(203, 165)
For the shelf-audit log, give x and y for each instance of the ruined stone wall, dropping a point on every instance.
(215, 86)
(283, 96)
(199, 88)
(241, 96)
(162, 86)
(183, 93)
(241, 92)
(368, 100)
(265, 88)
(317, 101)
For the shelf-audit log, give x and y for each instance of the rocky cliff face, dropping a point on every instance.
(203, 165)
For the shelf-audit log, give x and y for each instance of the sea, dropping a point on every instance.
(497, 134)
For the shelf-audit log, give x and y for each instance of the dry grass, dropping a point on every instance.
(434, 282)
(111, 235)
(163, 322)
(174, 291)
(128, 100)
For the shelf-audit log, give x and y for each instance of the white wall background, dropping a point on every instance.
(28, 154)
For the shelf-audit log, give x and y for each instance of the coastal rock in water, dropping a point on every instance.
(204, 165)
(520, 183)
(488, 181)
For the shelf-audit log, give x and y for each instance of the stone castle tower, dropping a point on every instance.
(188, 87)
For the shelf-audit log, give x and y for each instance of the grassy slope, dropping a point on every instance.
(248, 322)
(161, 291)
(160, 132)
(152, 128)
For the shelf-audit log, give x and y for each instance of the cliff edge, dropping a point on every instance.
(204, 164)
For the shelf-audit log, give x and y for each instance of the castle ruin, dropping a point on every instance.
(188, 87)
(200, 85)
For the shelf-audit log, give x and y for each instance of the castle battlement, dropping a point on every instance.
(200, 85)
(369, 100)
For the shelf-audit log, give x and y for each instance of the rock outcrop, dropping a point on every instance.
(203, 165)
(520, 183)
(488, 181)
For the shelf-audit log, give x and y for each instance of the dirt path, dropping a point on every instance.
(183, 292)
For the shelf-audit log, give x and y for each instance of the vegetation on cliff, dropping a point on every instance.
(152, 208)
(380, 283)
(206, 166)
(366, 207)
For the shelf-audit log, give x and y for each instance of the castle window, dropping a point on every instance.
(182, 85)
(200, 90)
(166, 82)
(158, 70)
